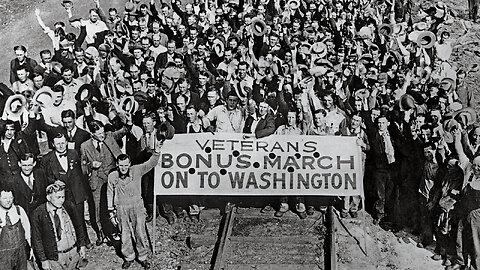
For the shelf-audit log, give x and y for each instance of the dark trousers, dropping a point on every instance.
(384, 189)
(473, 9)
(426, 223)
(80, 208)
(473, 221)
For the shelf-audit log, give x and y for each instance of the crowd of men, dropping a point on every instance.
(82, 127)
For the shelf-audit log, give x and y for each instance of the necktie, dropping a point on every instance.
(149, 136)
(30, 182)
(58, 225)
(63, 155)
(8, 222)
(70, 135)
(99, 147)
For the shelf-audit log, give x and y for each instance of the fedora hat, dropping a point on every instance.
(420, 26)
(413, 36)
(466, 116)
(293, 4)
(304, 48)
(362, 93)
(426, 39)
(259, 28)
(129, 7)
(44, 97)
(320, 62)
(364, 33)
(85, 93)
(449, 126)
(128, 104)
(385, 29)
(218, 47)
(399, 28)
(67, 3)
(406, 102)
(447, 84)
(319, 49)
(140, 96)
(18, 102)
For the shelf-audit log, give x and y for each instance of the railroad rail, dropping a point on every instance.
(304, 244)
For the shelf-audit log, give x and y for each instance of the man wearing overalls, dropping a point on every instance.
(14, 231)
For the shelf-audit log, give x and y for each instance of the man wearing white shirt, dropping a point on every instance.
(70, 85)
(60, 104)
(92, 26)
(14, 232)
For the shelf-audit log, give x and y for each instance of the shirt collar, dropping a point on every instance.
(51, 209)
(62, 155)
(27, 177)
(74, 130)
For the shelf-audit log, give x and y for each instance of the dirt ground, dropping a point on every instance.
(385, 250)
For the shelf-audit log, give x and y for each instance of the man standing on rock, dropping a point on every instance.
(124, 200)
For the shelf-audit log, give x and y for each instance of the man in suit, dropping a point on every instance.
(75, 136)
(29, 185)
(383, 152)
(98, 156)
(65, 165)
(58, 239)
(191, 98)
(261, 122)
(166, 57)
(12, 148)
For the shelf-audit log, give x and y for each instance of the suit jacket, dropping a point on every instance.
(132, 148)
(265, 126)
(161, 61)
(79, 137)
(9, 160)
(76, 185)
(109, 154)
(43, 235)
(193, 100)
(24, 196)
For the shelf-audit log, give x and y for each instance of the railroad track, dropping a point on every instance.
(249, 240)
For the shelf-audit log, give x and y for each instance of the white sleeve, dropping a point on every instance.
(25, 224)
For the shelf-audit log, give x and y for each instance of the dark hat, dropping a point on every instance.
(385, 29)
(104, 47)
(85, 92)
(304, 48)
(140, 96)
(406, 102)
(165, 131)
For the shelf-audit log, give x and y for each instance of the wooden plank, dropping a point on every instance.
(218, 264)
(331, 257)
(297, 240)
(197, 240)
(273, 266)
(188, 266)
(255, 212)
